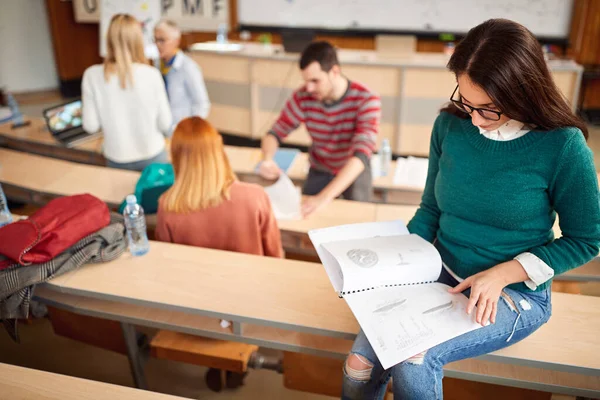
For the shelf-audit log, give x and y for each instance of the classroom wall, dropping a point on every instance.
(76, 44)
(27, 59)
(345, 42)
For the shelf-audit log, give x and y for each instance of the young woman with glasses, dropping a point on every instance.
(507, 156)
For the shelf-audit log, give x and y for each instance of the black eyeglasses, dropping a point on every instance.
(484, 112)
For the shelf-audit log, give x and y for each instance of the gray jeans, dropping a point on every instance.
(162, 157)
(360, 190)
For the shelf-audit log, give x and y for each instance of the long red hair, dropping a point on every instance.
(203, 175)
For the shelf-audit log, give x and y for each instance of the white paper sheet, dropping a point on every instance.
(366, 230)
(403, 321)
(411, 172)
(385, 260)
(285, 198)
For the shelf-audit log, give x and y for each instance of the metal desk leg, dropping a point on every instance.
(133, 354)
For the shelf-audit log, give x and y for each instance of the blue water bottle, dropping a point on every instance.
(5, 215)
(135, 223)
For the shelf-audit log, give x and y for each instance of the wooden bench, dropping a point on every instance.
(227, 360)
(18, 383)
(212, 353)
(201, 286)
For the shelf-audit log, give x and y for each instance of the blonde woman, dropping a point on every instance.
(125, 97)
(207, 206)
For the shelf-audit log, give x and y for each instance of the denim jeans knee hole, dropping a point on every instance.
(511, 304)
(509, 301)
(417, 359)
(525, 305)
(358, 368)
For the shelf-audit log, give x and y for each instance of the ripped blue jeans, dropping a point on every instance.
(519, 314)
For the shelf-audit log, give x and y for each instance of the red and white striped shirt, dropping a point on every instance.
(338, 131)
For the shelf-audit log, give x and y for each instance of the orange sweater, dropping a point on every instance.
(245, 223)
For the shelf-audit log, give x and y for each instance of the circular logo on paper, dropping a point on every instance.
(364, 258)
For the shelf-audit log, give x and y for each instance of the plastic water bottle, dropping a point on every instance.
(385, 157)
(222, 33)
(5, 215)
(17, 117)
(135, 222)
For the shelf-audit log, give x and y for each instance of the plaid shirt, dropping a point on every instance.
(17, 282)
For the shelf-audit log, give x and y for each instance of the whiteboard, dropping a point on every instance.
(545, 18)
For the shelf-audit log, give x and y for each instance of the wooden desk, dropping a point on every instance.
(36, 139)
(35, 179)
(294, 233)
(52, 178)
(18, 383)
(290, 305)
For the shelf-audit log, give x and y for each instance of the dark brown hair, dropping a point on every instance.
(506, 61)
(322, 52)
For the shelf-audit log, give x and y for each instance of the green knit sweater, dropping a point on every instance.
(487, 201)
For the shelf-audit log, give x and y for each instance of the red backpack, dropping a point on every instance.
(52, 229)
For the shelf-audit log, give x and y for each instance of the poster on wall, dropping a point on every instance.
(145, 11)
(196, 15)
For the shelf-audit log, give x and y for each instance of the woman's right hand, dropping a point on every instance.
(268, 169)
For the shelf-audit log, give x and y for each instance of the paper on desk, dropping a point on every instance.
(5, 114)
(285, 198)
(411, 171)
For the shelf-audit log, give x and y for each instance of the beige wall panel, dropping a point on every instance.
(566, 81)
(223, 68)
(230, 119)
(276, 73)
(426, 82)
(414, 140)
(381, 80)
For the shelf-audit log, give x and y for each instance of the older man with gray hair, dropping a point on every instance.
(183, 77)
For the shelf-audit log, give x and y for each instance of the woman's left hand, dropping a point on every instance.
(486, 288)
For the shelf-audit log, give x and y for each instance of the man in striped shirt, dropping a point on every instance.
(342, 118)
